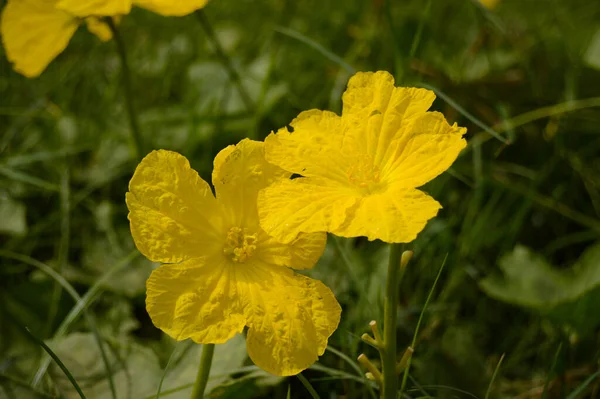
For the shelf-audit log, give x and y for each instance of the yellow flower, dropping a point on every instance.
(360, 170)
(34, 32)
(220, 270)
(491, 4)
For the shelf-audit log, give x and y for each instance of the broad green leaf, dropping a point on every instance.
(568, 297)
(137, 368)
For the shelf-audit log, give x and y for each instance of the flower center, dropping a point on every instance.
(364, 174)
(239, 245)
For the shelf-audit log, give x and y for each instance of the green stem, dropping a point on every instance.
(225, 60)
(388, 352)
(136, 136)
(203, 371)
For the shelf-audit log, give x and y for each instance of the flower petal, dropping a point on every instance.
(172, 211)
(99, 28)
(239, 173)
(86, 8)
(301, 253)
(396, 215)
(318, 146)
(429, 148)
(303, 205)
(171, 7)
(34, 32)
(290, 318)
(375, 110)
(195, 299)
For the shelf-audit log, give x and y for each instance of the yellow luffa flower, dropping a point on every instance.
(220, 270)
(360, 170)
(491, 4)
(34, 32)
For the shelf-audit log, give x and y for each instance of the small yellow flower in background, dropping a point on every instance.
(491, 4)
(34, 32)
(220, 270)
(360, 170)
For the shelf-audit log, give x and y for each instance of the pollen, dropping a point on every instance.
(239, 244)
(364, 174)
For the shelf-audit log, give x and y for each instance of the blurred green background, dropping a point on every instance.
(520, 227)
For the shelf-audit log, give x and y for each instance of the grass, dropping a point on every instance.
(521, 79)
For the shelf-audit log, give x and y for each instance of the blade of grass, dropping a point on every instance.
(28, 179)
(137, 144)
(451, 389)
(81, 195)
(489, 389)
(311, 43)
(398, 66)
(419, 387)
(63, 246)
(550, 203)
(464, 112)
(58, 362)
(342, 375)
(23, 384)
(246, 369)
(6, 111)
(86, 300)
(225, 60)
(354, 365)
(552, 367)
(308, 386)
(73, 293)
(415, 335)
(346, 261)
(419, 33)
(541, 113)
(583, 385)
(20, 160)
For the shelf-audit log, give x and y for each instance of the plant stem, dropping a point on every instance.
(203, 371)
(225, 60)
(136, 137)
(388, 352)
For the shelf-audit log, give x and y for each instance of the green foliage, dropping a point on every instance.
(569, 297)
(520, 225)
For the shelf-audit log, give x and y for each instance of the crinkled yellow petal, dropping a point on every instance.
(318, 146)
(427, 149)
(290, 317)
(303, 205)
(99, 28)
(34, 32)
(172, 211)
(86, 8)
(171, 7)
(195, 299)
(301, 253)
(239, 173)
(395, 215)
(374, 110)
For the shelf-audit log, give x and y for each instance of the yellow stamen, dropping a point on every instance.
(364, 174)
(239, 245)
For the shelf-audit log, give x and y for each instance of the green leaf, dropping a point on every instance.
(227, 358)
(567, 297)
(592, 55)
(137, 368)
(12, 215)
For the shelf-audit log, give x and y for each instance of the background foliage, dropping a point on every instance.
(520, 225)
